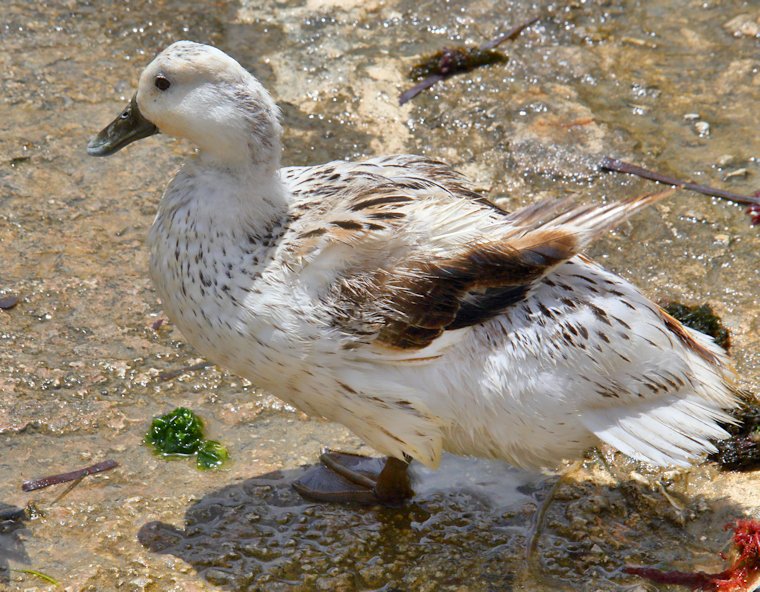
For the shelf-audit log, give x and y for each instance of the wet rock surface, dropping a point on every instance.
(672, 86)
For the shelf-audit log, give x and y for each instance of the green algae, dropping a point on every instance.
(211, 455)
(180, 433)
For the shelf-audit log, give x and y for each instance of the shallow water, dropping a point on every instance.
(80, 362)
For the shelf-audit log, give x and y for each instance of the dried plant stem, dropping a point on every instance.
(510, 35)
(619, 166)
(106, 465)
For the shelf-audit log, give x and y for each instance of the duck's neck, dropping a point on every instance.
(245, 152)
(240, 148)
(241, 202)
(245, 137)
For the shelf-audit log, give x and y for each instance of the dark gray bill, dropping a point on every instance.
(128, 127)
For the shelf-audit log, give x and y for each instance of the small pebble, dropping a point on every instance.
(8, 301)
(703, 128)
(638, 42)
(737, 173)
(743, 25)
(691, 116)
(18, 160)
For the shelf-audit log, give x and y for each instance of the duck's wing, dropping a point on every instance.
(400, 252)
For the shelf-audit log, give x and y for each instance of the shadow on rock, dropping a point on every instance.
(12, 531)
(260, 535)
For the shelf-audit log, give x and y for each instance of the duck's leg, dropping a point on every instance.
(538, 523)
(352, 478)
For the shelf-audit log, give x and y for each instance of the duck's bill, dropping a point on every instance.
(128, 127)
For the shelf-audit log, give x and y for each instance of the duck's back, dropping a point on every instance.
(486, 328)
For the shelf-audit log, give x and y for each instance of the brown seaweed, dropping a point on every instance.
(740, 452)
(700, 318)
(458, 60)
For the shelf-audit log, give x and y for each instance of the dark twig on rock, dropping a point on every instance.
(619, 166)
(510, 35)
(169, 374)
(106, 465)
(457, 60)
(409, 94)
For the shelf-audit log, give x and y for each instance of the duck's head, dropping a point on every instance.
(198, 92)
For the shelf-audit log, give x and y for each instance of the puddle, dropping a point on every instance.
(672, 86)
(503, 487)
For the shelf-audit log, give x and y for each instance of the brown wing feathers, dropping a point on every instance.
(482, 282)
(410, 302)
(468, 289)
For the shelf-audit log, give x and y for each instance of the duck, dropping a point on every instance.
(390, 297)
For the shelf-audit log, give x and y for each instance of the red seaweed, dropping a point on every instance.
(753, 211)
(739, 577)
(696, 580)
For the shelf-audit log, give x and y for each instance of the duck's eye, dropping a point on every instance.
(162, 82)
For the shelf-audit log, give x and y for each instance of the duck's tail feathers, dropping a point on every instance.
(670, 431)
(585, 222)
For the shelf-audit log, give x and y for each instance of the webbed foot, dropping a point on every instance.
(352, 478)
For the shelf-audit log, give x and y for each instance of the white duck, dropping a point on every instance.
(387, 296)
